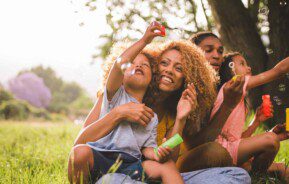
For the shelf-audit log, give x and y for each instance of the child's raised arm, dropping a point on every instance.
(115, 76)
(280, 69)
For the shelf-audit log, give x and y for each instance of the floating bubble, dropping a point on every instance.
(277, 100)
(125, 66)
(264, 11)
(269, 51)
(132, 72)
(283, 3)
(282, 87)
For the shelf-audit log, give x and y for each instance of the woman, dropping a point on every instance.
(180, 63)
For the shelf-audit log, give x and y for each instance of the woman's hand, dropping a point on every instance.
(260, 116)
(136, 113)
(187, 102)
(154, 30)
(280, 131)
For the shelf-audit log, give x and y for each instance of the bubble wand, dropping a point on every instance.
(232, 66)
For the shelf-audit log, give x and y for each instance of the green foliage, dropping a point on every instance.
(63, 93)
(129, 19)
(14, 109)
(81, 106)
(5, 95)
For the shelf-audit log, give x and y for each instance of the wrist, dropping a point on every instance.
(144, 41)
(118, 116)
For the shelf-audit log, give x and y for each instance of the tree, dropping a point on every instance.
(240, 30)
(31, 88)
(256, 28)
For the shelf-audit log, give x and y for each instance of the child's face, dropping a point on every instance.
(170, 71)
(240, 65)
(213, 51)
(139, 75)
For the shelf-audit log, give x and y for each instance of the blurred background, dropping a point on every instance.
(51, 53)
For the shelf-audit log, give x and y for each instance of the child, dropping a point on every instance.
(130, 140)
(241, 146)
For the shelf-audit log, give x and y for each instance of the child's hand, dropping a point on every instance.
(280, 131)
(154, 30)
(164, 154)
(260, 116)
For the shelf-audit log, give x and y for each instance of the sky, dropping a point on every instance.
(60, 34)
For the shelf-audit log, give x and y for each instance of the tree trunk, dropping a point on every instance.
(239, 33)
(279, 43)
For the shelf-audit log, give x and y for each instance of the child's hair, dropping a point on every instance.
(198, 37)
(226, 74)
(116, 51)
(225, 71)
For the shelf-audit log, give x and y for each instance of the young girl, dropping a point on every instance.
(129, 83)
(241, 146)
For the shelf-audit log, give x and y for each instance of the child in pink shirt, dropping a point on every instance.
(242, 147)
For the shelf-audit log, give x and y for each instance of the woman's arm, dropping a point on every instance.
(186, 105)
(280, 69)
(232, 96)
(132, 112)
(94, 113)
(99, 128)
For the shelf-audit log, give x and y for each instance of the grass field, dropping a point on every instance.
(38, 152)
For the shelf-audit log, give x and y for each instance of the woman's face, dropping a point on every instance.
(213, 51)
(240, 65)
(171, 71)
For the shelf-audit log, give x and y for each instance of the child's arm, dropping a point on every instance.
(258, 119)
(164, 154)
(115, 76)
(280, 69)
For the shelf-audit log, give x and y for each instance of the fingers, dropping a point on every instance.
(149, 110)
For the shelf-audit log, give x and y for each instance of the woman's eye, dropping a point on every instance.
(164, 63)
(220, 51)
(208, 50)
(179, 69)
(145, 64)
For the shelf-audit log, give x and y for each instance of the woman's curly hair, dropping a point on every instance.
(198, 71)
(151, 54)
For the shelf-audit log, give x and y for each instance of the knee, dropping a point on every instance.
(272, 142)
(80, 155)
(217, 151)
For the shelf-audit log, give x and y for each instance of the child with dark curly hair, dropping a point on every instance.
(241, 145)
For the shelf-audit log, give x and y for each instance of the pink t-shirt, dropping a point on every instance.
(230, 136)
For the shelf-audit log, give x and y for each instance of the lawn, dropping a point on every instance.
(38, 152)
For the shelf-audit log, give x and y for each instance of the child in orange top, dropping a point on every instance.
(241, 146)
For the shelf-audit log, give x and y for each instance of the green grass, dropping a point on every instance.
(38, 152)
(35, 153)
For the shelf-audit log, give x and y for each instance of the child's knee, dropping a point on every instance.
(272, 142)
(80, 155)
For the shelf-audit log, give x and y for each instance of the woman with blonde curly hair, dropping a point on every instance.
(186, 93)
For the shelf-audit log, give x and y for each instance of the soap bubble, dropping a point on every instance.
(283, 3)
(269, 51)
(277, 100)
(282, 87)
